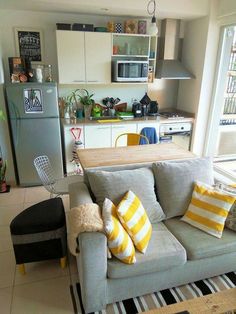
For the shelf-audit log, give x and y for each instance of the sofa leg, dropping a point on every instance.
(21, 268)
(63, 262)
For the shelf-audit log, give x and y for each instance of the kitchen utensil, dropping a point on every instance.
(105, 101)
(116, 100)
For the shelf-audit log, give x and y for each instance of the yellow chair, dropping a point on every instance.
(132, 138)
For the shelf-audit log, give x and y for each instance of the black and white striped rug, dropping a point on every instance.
(161, 298)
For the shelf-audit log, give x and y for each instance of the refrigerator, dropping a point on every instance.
(35, 128)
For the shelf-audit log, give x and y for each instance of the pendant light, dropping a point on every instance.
(151, 9)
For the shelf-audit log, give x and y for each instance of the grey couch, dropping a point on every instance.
(177, 253)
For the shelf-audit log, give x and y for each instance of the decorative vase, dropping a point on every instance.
(87, 111)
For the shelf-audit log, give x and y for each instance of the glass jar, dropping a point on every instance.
(48, 73)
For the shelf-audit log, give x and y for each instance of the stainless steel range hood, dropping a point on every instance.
(168, 65)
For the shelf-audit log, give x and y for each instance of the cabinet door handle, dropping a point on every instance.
(103, 127)
(118, 127)
(94, 81)
(77, 81)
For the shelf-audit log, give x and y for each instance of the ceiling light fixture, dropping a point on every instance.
(151, 9)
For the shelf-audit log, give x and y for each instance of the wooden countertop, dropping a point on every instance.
(98, 157)
(73, 122)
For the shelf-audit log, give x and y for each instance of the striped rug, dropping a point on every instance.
(161, 298)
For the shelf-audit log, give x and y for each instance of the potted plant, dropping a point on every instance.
(87, 101)
(73, 98)
(81, 96)
(3, 164)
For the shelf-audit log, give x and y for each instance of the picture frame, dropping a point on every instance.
(29, 44)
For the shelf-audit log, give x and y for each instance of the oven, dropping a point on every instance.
(177, 132)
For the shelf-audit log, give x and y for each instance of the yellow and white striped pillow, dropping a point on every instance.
(208, 209)
(118, 240)
(135, 220)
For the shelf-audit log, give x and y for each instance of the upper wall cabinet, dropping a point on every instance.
(84, 57)
(136, 47)
(98, 57)
(131, 45)
(71, 57)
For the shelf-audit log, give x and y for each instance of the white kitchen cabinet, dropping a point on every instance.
(117, 129)
(71, 57)
(142, 125)
(98, 57)
(68, 146)
(83, 57)
(97, 136)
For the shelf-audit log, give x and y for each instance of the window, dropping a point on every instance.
(222, 127)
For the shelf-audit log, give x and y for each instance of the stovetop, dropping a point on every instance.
(171, 115)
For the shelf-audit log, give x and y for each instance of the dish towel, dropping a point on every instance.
(151, 134)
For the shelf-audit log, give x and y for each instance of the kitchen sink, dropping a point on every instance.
(105, 118)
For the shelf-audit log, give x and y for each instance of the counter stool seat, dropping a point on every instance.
(39, 233)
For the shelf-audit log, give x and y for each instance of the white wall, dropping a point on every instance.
(199, 54)
(165, 92)
(226, 13)
(126, 93)
(226, 8)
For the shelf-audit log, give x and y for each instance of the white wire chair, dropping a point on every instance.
(46, 174)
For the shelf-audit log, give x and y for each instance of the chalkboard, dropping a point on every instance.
(29, 44)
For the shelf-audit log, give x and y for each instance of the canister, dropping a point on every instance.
(118, 28)
(142, 27)
(110, 26)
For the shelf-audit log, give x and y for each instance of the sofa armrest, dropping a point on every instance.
(79, 194)
(92, 264)
(92, 259)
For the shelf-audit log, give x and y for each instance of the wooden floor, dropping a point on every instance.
(216, 303)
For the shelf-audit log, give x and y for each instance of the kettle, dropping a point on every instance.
(153, 108)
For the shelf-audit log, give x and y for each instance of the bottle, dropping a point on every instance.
(39, 74)
(127, 48)
(48, 73)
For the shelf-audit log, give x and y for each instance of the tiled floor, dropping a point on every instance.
(45, 287)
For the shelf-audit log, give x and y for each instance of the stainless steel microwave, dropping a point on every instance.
(129, 71)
